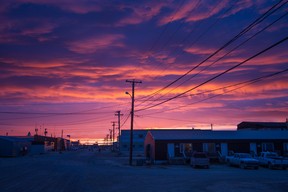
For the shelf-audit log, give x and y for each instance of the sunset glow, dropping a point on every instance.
(64, 65)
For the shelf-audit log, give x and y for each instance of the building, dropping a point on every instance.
(160, 146)
(32, 145)
(262, 126)
(13, 146)
(138, 142)
(52, 143)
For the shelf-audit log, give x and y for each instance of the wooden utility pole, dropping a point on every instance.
(118, 113)
(132, 117)
(113, 134)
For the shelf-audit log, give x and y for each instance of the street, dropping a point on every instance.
(93, 171)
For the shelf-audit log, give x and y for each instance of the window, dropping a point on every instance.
(186, 148)
(209, 147)
(267, 147)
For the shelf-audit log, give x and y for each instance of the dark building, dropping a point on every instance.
(139, 136)
(262, 126)
(13, 146)
(160, 146)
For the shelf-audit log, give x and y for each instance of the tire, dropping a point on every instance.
(229, 164)
(242, 166)
(256, 167)
(270, 166)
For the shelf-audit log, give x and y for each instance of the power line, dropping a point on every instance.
(282, 16)
(125, 121)
(243, 84)
(245, 30)
(222, 73)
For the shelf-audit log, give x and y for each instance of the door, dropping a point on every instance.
(253, 148)
(224, 149)
(209, 147)
(171, 150)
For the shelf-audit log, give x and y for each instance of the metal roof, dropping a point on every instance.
(261, 125)
(217, 135)
(14, 139)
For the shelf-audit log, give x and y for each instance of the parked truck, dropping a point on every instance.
(272, 160)
(242, 160)
(199, 159)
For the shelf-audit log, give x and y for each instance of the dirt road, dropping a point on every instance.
(92, 171)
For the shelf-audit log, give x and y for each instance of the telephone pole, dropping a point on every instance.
(118, 113)
(132, 117)
(110, 135)
(113, 134)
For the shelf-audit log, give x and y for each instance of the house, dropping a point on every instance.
(262, 126)
(160, 146)
(13, 146)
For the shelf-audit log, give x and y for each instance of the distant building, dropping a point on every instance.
(75, 143)
(262, 126)
(52, 143)
(161, 146)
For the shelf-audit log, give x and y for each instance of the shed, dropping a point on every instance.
(162, 145)
(13, 146)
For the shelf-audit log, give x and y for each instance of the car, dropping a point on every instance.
(242, 160)
(200, 159)
(272, 160)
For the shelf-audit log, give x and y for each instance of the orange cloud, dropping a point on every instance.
(182, 13)
(43, 28)
(195, 11)
(200, 50)
(93, 44)
(141, 12)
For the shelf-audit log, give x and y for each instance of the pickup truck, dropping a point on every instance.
(272, 160)
(199, 159)
(242, 160)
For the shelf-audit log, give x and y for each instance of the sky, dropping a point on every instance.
(202, 64)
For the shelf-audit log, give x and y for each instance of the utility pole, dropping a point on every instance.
(45, 132)
(110, 135)
(113, 134)
(118, 113)
(132, 117)
(107, 139)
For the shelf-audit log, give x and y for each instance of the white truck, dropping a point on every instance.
(242, 160)
(272, 160)
(200, 159)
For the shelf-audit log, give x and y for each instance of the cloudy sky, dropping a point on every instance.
(64, 64)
